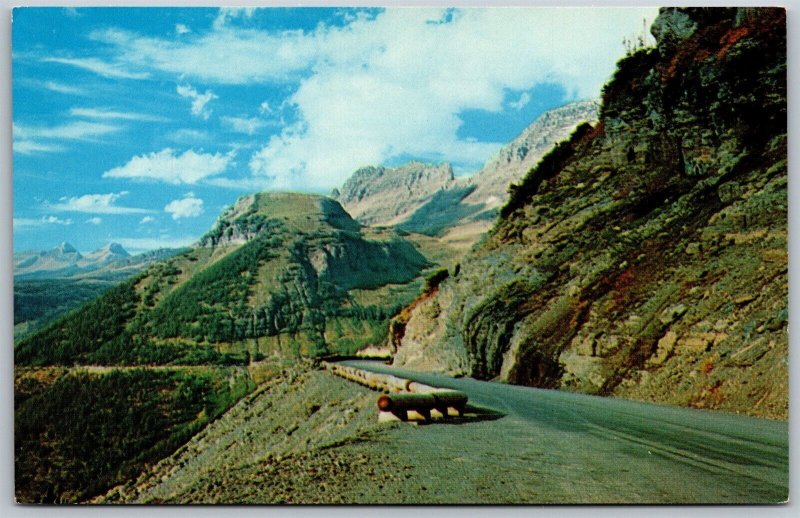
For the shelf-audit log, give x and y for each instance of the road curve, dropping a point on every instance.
(665, 453)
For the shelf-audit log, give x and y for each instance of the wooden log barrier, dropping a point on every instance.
(375, 381)
(447, 399)
(401, 403)
(415, 386)
(395, 384)
(404, 395)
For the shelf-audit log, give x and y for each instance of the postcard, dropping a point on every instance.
(388, 255)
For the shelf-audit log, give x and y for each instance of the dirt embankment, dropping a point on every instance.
(308, 437)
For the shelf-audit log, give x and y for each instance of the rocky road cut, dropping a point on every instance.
(651, 453)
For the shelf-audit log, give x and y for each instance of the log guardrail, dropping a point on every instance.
(404, 398)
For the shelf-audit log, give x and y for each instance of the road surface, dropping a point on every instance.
(637, 452)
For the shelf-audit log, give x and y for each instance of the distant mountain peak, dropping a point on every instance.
(65, 248)
(115, 249)
(429, 199)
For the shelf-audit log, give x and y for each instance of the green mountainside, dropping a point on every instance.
(646, 256)
(279, 274)
(49, 284)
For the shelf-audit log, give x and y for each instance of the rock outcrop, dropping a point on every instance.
(645, 257)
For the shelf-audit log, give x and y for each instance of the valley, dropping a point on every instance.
(48, 284)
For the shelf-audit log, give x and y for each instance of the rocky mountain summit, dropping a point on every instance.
(110, 252)
(517, 157)
(388, 196)
(645, 257)
(66, 262)
(62, 256)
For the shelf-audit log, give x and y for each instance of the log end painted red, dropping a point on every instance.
(384, 402)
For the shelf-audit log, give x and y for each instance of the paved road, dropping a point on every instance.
(663, 453)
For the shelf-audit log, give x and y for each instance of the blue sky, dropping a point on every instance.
(139, 125)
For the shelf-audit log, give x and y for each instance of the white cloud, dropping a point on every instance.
(79, 130)
(30, 147)
(188, 136)
(56, 221)
(520, 103)
(95, 220)
(227, 14)
(63, 89)
(100, 113)
(226, 55)
(99, 67)
(199, 101)
(239, 184)
(147, 219)
(188, 167)
(181, 29)
(186, 207)
(28, 140)
(95, 204)
(247, 125)
(394, 84)
(44, 220)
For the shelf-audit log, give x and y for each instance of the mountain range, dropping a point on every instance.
(64, 261)
(278, 274)
(429, 199)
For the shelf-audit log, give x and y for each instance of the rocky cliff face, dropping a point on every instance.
(646, 257)
(387, 196)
